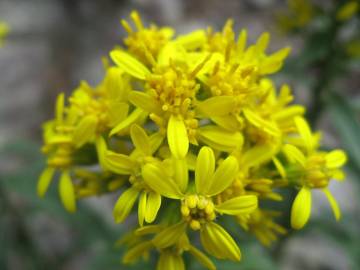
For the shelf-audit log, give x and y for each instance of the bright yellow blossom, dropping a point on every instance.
(192, 131)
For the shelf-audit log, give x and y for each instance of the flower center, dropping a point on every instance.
(197, 210)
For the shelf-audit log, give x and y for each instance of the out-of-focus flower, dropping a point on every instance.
(4, 30)
(347, 10)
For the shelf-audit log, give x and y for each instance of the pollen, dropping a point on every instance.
(197, 210)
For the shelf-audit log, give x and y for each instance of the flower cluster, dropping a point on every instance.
(191, 129)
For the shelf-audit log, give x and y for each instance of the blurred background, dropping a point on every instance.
(54, 44)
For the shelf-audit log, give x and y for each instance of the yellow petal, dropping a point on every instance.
(44, 181)
(305, 132)
(59, 108)
(124, 204)
(118, 111)
(301, 209)
(257, 155)
(333, 203)
(115, 84)
(142, 208)
(169, 235)
(152, 207)
(129, 64)
(202, 258)
(241, 43)
(159, 181)
(192, 40)
(177, 137)
(145, 102)
(101, 151)
(267, 126)
(136, 252)
(119, 163)
(262, 42)
(217, 106)
(140, 139)
(239, 205)
(348, 10)
(204, 170)
(228, 122)
(221, 139)
(280, 168)
(335, 159)
(219, 243)
(156, 140)
(170, 261)
(85, 130)
(181, 174)
(67, 192)
(223, 176)
(127, 122)
(149, 229)
(294, 154)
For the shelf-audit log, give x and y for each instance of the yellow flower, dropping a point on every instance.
(299, 14)
(314, 169)
(170, 257)
(60, 149)
(197, 207)
(261, 223)
(169, 98)
(145, 43)
(4, 30)
(149, 199)
(348, 10)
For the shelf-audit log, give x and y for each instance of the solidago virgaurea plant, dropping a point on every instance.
(190, 130)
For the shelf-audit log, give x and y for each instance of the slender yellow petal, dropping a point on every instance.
(170, 261)
(129, 64)
(127, 122)
(192, 40)
(294, 154)
(59, 108)
(149, 229)
(133, 254)
(204, 170)
(124, 204)
(145, 102)
(256, 156)
(118, 111)
(279, 167)
(228, 122)
(101, 151)
(266, 125)
(160, 182)
(177, 137)
(181, 174)
(262, 42)
(239, 205)
(223, 176)
(335, 159)
(305, 132)
(119, 163)
(85, 130)
(115, 84)
(44, 181)
(219, 243)
(217, 106)
(152, 206)
(156, 140)
(142, 208)
(169, 235)
(67, 192)
(140, 139)
(221, 139)
(202, 258)
(301, 208)
(333, 203)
